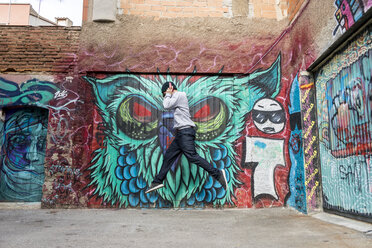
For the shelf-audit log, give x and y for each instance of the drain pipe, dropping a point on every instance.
(10, 6)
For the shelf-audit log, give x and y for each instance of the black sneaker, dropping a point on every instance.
(223, 180)
(154, 186)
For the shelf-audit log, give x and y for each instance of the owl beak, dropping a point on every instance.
(166, 132)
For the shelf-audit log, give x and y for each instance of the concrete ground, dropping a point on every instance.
(273, 227)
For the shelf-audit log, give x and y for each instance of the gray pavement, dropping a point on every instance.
(273, 227)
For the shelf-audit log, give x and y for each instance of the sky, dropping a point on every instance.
(50, 9)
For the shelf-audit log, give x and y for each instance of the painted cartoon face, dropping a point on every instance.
(268, 116)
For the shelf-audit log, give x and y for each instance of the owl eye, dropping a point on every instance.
(141, 113)
(137, 117)
(210, 116)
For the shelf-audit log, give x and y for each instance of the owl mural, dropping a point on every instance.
(137, 132)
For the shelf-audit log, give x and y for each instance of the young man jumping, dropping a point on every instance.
(185, 138)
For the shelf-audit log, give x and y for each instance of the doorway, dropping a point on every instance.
(23, 144)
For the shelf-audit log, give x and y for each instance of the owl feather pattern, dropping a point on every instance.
(138, 131)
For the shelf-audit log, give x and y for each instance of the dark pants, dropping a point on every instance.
(184, 143)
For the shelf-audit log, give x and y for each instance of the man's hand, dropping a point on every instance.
(170, 89)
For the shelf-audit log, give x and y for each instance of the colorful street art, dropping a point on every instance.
(69, 141)
(107, 132)
(23, 153)
(59, 167)
(310, 141)
(23, 139)
(344, 117)
(268, 116)
(348, 12)
(136, 132)
(33, 92)
(297, 198)
(263, 166)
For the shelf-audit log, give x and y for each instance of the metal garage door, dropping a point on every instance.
(344, 101)
(23, 152)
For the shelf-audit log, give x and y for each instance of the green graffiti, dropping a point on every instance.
(32, 92)
(22, 164)
(136, 135)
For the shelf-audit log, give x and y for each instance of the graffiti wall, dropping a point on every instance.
(23, 153)
(297, 197)
(344, 118)
(310, 141)
(103, 142)
(348, 12)
(23, 139)
(298, 53)
(106, 130)
(133, 131)
(43, 139)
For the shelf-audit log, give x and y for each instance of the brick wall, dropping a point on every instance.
(270, 9)
(38, 49)
(177, 8)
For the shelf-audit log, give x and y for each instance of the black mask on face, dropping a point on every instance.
(274, 116)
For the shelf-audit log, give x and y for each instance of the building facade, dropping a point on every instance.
(22, 14)
(280, 92)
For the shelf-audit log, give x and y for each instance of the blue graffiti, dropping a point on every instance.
(297, 198)
(32, 92)
(23, 153)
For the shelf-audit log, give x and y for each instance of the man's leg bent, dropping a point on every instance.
(170, 156)
(187, 144)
